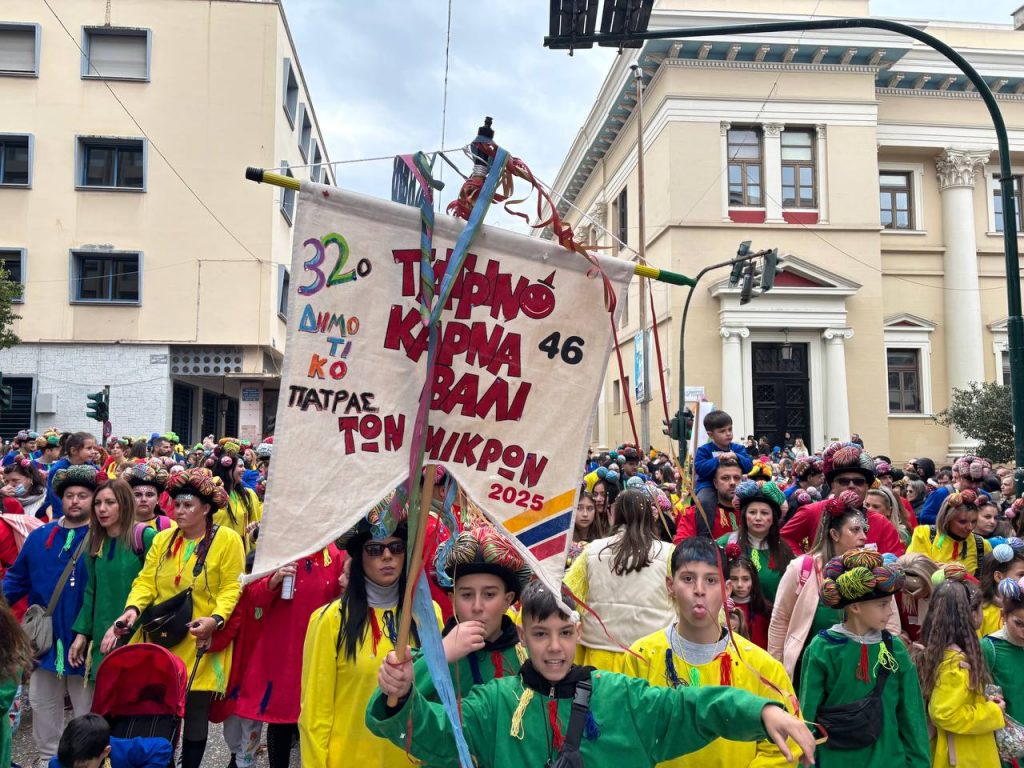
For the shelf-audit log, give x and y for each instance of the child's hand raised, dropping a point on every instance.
(395, 676)
(467, 637)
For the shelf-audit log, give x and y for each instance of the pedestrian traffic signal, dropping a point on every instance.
(737, 266)
(97, 408)
(748, 283)
(771, 262)
(671, 428)
(687, 424)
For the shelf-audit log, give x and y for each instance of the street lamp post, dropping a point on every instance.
(624, 24)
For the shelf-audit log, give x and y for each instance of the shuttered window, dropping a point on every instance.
(18, 54)
(116, 54)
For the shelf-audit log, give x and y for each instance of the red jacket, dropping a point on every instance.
(686, 525)
(802, 529)
(266, 666)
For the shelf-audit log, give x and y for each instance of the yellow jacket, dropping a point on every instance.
(243, 518)
(992, 620)
(940, 549)
(216, 591)
(336, 691)
(720, 753)
(965, 722)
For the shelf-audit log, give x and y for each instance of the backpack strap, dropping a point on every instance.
(806, 566)
(883, 673)
(979, 544)
(204, 550)
(578, 716)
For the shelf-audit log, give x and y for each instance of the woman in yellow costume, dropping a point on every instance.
(209, 559)
(244, 509)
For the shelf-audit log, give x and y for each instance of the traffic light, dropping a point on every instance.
(6, 395)
(771, 262)
(98, 408)
(737, 266)
(748, 283)
(671, 428)
(687, 424)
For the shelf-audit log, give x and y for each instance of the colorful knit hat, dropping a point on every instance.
(802, 497)
(837, 506)
(481, 549)
(387, 518)
(1008, 550)
(1011, 591)
(883, 468)
(953, 572)
(846, 457)
(761, 470)
(972, 467)
(859, 575)
(84, 475)
(806, 466)
(759, 490)
(148, 473)
(200, 482)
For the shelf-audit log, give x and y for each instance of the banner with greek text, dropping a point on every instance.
(524, 343)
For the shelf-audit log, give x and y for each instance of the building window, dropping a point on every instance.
(111, 163)
(15, 161)
(997, 206)
(287, 195)
(13, 260)
(290, 100)
(616, 396)
(624, 315)
(283, 286)
(745, 169)
(1004, 360)
(621, 211)
(315, 160)
(19, 50)
(112, 53)
(106, 277)
(895, 200)
(904, 371)
(798, 171)
(305, 131)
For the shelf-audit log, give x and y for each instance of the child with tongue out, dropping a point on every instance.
(525, 720)
(696, 651)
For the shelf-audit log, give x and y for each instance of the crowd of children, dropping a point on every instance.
(796, 610)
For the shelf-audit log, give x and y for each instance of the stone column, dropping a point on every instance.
(773, 171)
(732, 376)
(822, 157)
(965, 362)
(837, 404)
(724, 144)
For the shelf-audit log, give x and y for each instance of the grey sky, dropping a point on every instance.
(376, 74)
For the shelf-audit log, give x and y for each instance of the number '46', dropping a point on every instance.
(571, 351)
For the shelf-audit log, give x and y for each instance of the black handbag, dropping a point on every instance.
(859, 723)
(167, 623)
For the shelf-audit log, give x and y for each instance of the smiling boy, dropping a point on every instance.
(524, 720)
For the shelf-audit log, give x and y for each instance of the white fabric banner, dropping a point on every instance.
(524, 344)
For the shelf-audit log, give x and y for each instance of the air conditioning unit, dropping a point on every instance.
(46, 402)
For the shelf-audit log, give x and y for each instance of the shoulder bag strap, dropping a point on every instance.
(204, 550)
(52, 605)
(578, 716)
(979, 544)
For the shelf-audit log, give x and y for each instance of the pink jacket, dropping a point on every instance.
(793, 613)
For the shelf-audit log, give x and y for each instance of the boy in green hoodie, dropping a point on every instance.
(524, 720)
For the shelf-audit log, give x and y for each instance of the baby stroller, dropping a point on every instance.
(141, 689)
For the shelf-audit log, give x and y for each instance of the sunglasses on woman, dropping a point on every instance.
(376, 548)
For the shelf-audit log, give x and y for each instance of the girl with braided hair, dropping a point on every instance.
(1004, 649)
(953, 675)
(952, 538)
(849, 661)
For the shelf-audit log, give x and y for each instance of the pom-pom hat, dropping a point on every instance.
(750, 491)
(858, 576)
(83, 475)
(847, 457)
(482, 549)
(199, 482)
(149, 473)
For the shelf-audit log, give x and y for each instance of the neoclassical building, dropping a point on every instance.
(867, 160)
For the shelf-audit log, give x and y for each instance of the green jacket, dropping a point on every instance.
(477, 668)
(637, 726)
(111, 574)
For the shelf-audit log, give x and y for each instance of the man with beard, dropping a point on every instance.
(49, 552)
(723, 517)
